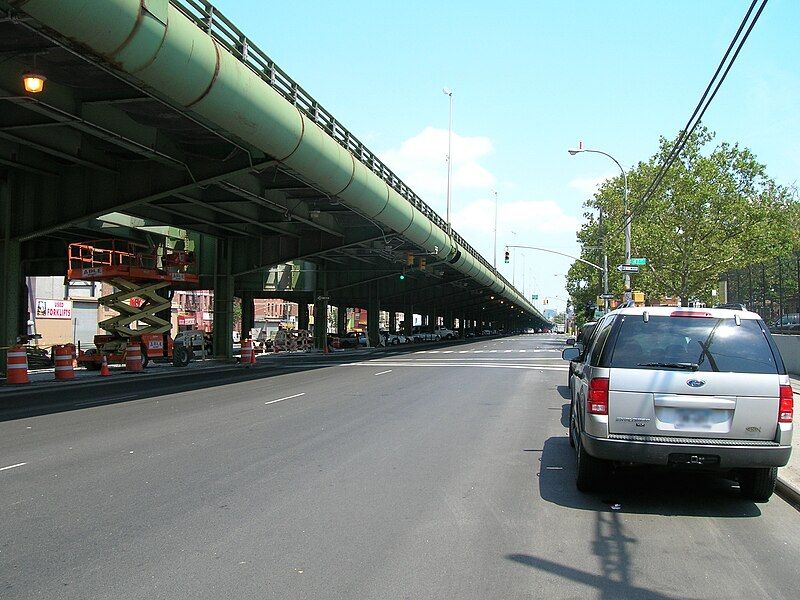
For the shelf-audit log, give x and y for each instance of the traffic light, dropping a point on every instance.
(402, 276)
(409, 259)
(422, 264)
(546, 301)
(508, 256)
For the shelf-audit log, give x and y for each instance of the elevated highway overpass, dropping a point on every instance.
(166, 112)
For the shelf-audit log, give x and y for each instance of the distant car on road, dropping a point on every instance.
(393, 339)
(444, 333)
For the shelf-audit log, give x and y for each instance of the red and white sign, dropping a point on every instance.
(53, 309)
(186, 320)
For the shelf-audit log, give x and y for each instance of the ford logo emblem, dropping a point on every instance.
(695, 383)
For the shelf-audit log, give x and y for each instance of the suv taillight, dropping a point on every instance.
(597, 400)
(786, 407)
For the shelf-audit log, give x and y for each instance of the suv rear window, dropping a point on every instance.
(702, 344)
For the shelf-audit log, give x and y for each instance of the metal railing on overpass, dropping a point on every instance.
(210, 20)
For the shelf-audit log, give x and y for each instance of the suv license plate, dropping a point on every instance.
(693, 417)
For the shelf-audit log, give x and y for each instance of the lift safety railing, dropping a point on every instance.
(210, 20)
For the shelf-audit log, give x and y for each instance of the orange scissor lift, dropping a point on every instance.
(139, 273)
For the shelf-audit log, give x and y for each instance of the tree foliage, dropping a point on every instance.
(715, 210)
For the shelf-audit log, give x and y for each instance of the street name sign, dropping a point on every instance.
(607, 296)
(638, 261)
(628, 268)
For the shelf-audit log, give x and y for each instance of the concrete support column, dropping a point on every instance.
(392, 321)
(408, 321)
(223, 301)
(341, 319)
(248, 314)
(12, 304)
(373, 320)
(448, 318)
(302, 314)
(321, 300)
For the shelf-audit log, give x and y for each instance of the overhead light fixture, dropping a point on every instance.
(33, 82)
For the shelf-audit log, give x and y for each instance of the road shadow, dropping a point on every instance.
(563, 390)
(614, 582)
(640, 490)
(565, 416)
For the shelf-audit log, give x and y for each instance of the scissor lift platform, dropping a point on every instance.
(139, 273)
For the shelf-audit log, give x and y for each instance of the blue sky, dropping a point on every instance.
(529, 80)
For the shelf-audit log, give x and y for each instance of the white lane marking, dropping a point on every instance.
(286, 398)
(506, 351)
(441, 365)
(523, 351)
(463, 351)
(384, 372)
(447, 351)
(12, 466)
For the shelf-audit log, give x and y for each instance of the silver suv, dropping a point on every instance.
(689, 388)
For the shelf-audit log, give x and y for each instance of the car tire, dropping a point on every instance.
(438, 338)
(180, 356)
(571, 422)
(591, 472)
(758, 485)
(395, 341)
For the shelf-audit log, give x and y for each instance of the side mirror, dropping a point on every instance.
(570, 353)
(571, 341)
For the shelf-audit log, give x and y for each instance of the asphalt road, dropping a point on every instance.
(441, 473)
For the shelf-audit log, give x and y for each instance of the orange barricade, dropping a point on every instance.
(17, 366)
(63, 358)
(247, 353)
(133, 358)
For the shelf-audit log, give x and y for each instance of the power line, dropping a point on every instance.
(699, 110)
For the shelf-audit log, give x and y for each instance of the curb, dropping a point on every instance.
(788, 492)
(36, 387)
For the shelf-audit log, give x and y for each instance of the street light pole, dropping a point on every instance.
(449, 93)
(514, 265)
(495, 229)
(573, 152)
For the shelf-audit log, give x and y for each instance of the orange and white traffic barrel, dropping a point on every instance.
(63, 358)
(17, 366)
(133, 358)
(247, 352)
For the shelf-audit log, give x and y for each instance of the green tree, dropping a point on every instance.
(715, 210)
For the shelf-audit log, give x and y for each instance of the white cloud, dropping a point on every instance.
(588, 186)
(421, 161)
(523, 217)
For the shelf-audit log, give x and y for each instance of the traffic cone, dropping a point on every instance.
(104, 367)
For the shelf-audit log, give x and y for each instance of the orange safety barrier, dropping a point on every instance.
(246, 356)
(17, 366)
(64, 354)
(133, 358)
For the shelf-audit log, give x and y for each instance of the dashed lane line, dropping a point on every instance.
(383, 372)
(12, 466)
(286, 398)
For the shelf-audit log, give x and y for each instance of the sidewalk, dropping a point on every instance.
(789, 476)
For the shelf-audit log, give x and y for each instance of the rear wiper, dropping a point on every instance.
(672, 365)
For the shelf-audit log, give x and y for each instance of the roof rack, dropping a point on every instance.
(732, 306)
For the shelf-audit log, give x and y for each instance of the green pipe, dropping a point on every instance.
(156, 43)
